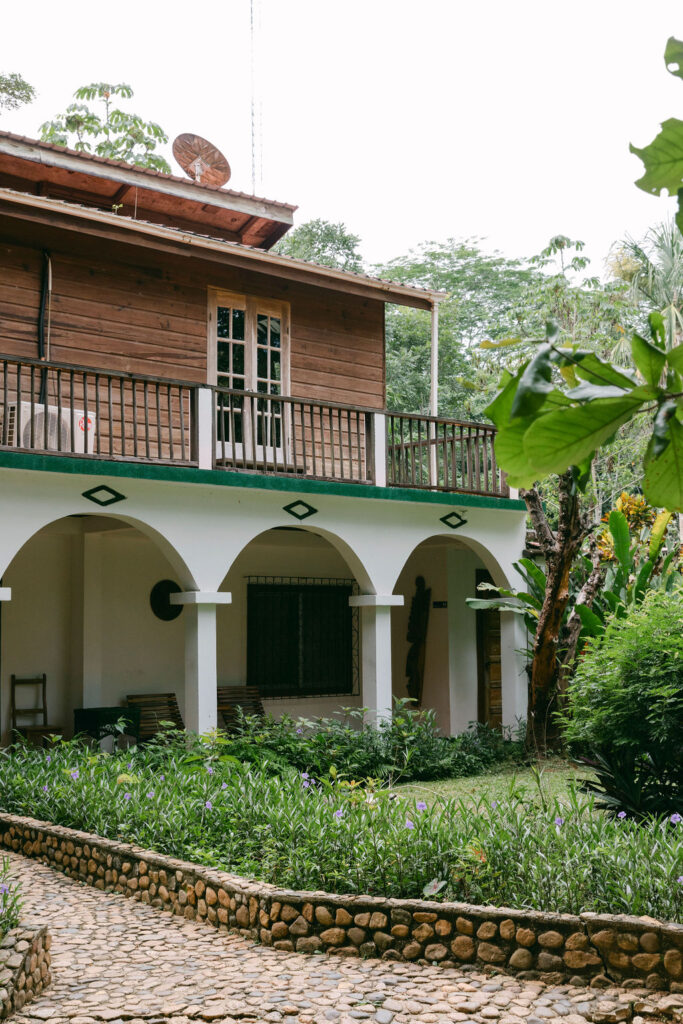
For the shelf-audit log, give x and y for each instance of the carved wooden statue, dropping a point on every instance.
(417, 638)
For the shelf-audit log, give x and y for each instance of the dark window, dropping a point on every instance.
(299, 639)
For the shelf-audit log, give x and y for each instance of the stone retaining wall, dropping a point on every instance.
(597, 948)
(24, 966)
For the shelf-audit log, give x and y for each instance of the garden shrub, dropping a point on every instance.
(197, 802)
(626, 708)
(409, 747)
(10, 902)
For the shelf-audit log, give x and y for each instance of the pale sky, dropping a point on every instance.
(504, 119)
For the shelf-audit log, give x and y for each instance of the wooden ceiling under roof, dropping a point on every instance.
(39, 168)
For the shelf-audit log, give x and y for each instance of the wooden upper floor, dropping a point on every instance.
(176, 285)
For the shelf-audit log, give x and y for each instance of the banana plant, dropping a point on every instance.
(640, 561)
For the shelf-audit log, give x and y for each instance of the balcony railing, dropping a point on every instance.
(58, 409)
(442, 455)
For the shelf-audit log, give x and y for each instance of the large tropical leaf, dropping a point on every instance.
(649, 359)
(618, 527)
(658, 533)
(591, 624)
(567, 437)
(663, 160)
(673, 56)
(663, 483)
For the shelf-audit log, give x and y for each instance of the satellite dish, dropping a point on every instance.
(200, 160)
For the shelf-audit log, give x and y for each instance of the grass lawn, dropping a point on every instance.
(557, 778)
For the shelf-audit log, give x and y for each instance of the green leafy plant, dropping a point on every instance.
(188, 797)
(10, 898)
(116, 134)
(625, 710)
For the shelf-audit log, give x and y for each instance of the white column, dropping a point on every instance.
(205, 439)
(5, 593)
(379, 443)
(92, 621)
(376, 651)
(201, 674)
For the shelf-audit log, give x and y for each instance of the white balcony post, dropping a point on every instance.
(434, 394)
(379, 447)
(5, 593)
(376, 652)
(205, 438)
(201, 672)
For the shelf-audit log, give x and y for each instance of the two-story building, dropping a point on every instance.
(200, 484)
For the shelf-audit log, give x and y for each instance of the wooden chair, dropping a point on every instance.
(233, 699)
(154, 709)
(38, 732)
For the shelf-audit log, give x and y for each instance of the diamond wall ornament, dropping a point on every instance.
(103, 495)
(453, 520)
(300, 510)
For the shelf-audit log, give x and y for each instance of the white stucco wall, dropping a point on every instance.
(200, 535)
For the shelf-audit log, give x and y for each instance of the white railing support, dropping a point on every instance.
(379, 448)
(205, 428)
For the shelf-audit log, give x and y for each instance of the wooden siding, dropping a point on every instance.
(148, 315)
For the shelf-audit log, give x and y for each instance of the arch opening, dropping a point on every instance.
(80, 613)
(459, 662)
(289, 630)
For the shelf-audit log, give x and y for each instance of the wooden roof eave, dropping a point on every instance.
(60, 214)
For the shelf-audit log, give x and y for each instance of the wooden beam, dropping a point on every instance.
(119, 194)
(107, 225)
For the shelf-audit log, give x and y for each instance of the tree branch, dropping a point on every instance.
(544, 535)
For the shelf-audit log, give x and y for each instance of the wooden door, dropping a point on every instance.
(490, 695)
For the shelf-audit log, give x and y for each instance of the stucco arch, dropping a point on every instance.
(499, 573)
(356, 566)
(24, 531)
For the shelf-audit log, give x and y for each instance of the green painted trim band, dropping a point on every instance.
(225, 478)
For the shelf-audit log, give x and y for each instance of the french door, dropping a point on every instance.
(250, 345)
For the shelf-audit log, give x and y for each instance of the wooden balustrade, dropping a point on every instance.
(69, 410)
(278, 434)
(73, 410)
(443, 455)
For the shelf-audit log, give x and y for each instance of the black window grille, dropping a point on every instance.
(302, 637)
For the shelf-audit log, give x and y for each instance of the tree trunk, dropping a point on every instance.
(559, 549)
(586, 596)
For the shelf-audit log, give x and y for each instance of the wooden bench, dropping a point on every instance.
(155, 708)
(235, 699)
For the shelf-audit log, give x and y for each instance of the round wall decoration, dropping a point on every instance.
(159, 600)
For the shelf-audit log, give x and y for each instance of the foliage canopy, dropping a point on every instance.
(115, 133)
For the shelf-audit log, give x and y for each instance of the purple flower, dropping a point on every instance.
(49, 759)
(299, 731)
(163, 778)
(559, 821)
(208, 805)
(621, 814)
(409, 823)
(305, 775)
(127, 796)
(130, 764)
(44, 789)
(150, 795)
(680, 879)
(74, 774)
(421, 805)
(4, 889)
(305, 783)
(224, 785)
(675, 818)
(339, 813)
(209, 769)
(494, 804)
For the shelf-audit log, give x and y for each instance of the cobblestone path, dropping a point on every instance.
(115, 960)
